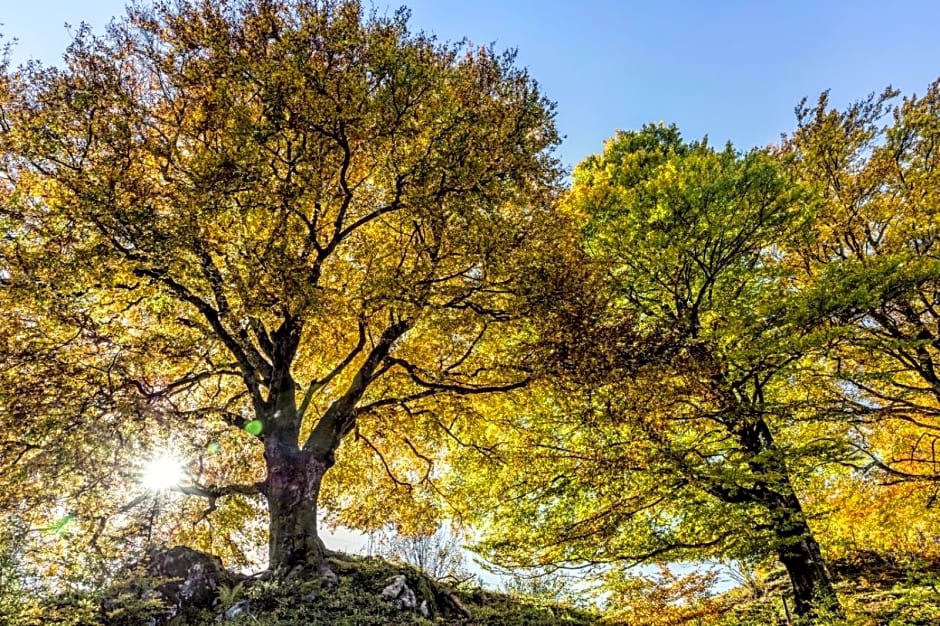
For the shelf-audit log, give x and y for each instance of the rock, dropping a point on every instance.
(400, 594)
(189, 578)
(242, 607)
(423, 609)
(327, 575)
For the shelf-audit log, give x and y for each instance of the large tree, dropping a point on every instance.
(286, 219)
(680, 420)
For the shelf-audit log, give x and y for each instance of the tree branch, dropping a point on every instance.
(416, 377)
(215, 492)
(250, 363)
(316, 385)
(388, 470)
(339, 419)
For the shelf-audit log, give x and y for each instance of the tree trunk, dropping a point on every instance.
(799, 553)
(797, 549)
(292, 489)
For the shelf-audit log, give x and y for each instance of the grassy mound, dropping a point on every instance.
(353, 598)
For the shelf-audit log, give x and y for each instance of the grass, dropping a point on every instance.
(873, 591)
(353, 600)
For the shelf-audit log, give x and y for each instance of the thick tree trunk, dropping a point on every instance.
(295, 472)
(799, 553)
(292, 489)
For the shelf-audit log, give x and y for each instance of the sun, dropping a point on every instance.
(162, 472)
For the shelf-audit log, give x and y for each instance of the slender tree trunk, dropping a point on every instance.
(797, 549)
(292, 489)
(799, 553)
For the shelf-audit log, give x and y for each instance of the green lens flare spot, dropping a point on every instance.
(214, 447)
(60, 527)
(253, 427)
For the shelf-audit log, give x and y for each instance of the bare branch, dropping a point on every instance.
(215, 492)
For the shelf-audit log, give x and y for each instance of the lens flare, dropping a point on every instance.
(162, 472)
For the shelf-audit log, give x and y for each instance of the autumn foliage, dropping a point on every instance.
(332, 267)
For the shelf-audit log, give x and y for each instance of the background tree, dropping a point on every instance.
(662, 598)
(278, 221)
(438, 552)
(685, 422)
(875, 167)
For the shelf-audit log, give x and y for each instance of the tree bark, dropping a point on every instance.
(292, 489)
(796, 547)
(799, 553)
(295, 472)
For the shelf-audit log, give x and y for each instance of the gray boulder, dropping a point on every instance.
(399, 594)
(189, 579)
(242, 607)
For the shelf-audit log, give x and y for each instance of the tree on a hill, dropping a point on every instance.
(683, 417)
(279, 221)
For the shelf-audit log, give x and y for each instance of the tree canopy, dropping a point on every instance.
(686, 439)
(751, 364)
(323, 265)
(279, 222)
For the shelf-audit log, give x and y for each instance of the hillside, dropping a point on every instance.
(874, 590)
(359, 592)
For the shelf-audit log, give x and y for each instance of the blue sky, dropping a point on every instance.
(730, 69)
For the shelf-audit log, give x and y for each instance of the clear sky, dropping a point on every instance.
(730, 69)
